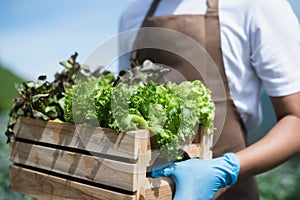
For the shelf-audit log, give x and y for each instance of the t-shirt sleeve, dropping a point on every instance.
(275, 46)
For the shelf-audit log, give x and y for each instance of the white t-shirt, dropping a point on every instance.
(260, 42)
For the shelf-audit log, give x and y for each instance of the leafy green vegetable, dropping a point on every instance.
(140, 98)
(89, 102)
(171, 111)
(45, 100)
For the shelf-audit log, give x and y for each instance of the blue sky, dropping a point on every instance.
(36, 34)
(296, 6)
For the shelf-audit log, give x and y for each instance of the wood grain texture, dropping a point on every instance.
(46, 187)
(104, 171)
(133, 145)
(206, 144)
(162, 188)
(200, 146)
(100, 140)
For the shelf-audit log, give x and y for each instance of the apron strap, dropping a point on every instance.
(150, 11)
(213, 47)
(212, 7)
(133, 60)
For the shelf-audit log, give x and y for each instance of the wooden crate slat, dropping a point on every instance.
(100, 140)
(64, 155)
(44, 186)
(105, 171)
(206, 144)
(161, 188)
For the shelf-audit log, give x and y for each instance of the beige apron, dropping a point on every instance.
(204, 29)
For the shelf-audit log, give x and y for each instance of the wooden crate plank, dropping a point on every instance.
(105, 171)
(100, 140)
(161, 188)
(43, 186)
(134, 145)
(206, 145)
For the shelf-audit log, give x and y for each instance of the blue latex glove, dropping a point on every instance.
(201, 179)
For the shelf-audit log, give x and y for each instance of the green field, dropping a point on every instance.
(8, 92)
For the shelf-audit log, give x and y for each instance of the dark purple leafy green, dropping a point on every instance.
(45, 100)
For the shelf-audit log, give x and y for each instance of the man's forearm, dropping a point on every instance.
(280, 144)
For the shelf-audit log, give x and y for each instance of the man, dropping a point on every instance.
(253, 43)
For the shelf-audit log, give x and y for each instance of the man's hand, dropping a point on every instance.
(201, 179)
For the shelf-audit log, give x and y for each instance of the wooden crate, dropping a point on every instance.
(55, 160)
